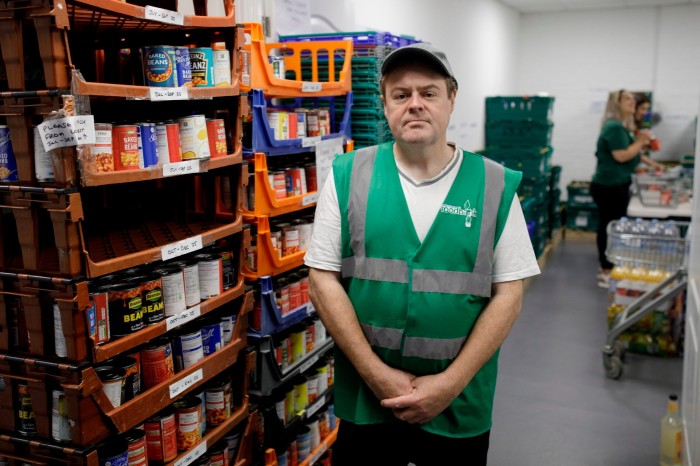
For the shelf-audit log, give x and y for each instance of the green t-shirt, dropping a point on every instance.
(609, 171)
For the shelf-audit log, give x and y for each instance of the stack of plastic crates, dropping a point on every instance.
(646, 289)
(518, 132)
(370, 48)
(581, 211)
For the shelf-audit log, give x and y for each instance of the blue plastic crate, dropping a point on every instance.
(263, 139)
(271, 319)
(361, 38)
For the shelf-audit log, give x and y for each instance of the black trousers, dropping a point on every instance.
(398, 443)
(612, 204)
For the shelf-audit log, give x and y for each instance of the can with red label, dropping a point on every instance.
(312, 123)
(136, 447)
(187, 412)
(218, 396)
(157, 363)
(125, 141)
(161, 436)
(172, 131)
(216, 132)
(310, 173)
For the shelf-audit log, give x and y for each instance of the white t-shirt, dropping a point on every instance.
(514, 258)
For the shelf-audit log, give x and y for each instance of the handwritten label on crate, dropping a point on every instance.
(307, 364)
(186, 246)
(312, 141)
(182, 385)
(310, 87)
(196, 452)
(68, 131)
(183, 317)
(315, 406)
(181, 168)
(164, 16)
(310, 199)
(168, 93)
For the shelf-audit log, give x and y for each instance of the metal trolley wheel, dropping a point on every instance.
(613, 365)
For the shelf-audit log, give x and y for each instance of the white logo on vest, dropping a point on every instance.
(466, 211)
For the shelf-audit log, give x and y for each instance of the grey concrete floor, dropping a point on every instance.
(554, 406)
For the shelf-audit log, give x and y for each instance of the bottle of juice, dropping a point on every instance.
(671, 435)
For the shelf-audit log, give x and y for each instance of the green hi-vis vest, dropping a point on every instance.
(417, 302)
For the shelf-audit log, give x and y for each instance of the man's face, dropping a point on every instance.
(416, 105)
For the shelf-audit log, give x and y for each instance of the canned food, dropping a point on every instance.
(136, 447)
(244, 59)
(202, 61)
(278, 68)
(218, 454)
(132, 375)
(216, 133)
(183, 67)
(125, 313)
(228, 271)
(125, 139)
(188, 347)
(112, 383)
(173, 132)
(60, 424)
(157, 363)
(161, 436)
(187, 412)
(190, 269)
(101, 151)
(222, 64)
(204, 460)
(312, 123)
(301, 123)
(228, 323)
(173, 283)
(279, 184)
(199, 394)
(152, 298)
(159, 66)
(232, 440)
(324, 122)
(210, 275)
(218, 396)
(43, 162)
(114, 452)
(290, 240)
(26, 423)
(8, 163)
(212, 336)
(311, 181)
(194, 140)
(148, 144)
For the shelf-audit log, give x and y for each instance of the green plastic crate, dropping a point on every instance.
(579, 195)
(532, 161)
(581, 219)
(518, 133)
(510, 108)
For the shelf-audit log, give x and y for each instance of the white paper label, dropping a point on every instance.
(68, 131)
(185, 246)
(312, 141)
(183, 317)
(182, 385)
(310, 87)
(168, 93)
(315, 406)
(164, 16)
(181, 168)
(192, 455)
(310, 199)
(307, 364)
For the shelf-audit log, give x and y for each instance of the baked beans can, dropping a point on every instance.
(112, 379)
(97, 316)
(125, 139)
(218, 397)
(59, 337)
(43, 162)
(216, 132)
(194, 139)
(202, 62)
(212, 336)
(114, 452)
(222, 64)
(312, 123)
(161, 436)
(187, 412)
(60, 424)
(173, 285)
(125, 313)
(26, 423)
(157, 363)
(132, 375)
(190, 269)
(210, 275)
(8, 163)
(101, 151)
(183, 67)
(187, 346)
(136, 447)
(172, 131)
(218, 454)
(160, 65)
(152, 298)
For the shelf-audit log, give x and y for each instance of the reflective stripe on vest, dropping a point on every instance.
(426, 348)
(477, 282)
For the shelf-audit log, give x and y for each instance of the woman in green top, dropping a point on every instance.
(618, 153)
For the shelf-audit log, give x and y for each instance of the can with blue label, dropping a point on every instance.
(212, 336)
(159, 66)
(114, 452)
(187, 347)
(149, 144)
(183, 66)
(8, 163)
(202, 62)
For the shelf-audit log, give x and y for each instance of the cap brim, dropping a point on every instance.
(405, 53)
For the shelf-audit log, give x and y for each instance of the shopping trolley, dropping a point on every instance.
(654, 244)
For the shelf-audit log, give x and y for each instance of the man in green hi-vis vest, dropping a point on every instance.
(416, 263)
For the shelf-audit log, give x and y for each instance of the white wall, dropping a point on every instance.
(580, 56)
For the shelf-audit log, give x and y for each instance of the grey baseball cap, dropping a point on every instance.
(421, 51)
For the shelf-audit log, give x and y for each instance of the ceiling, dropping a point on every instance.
(540, 6)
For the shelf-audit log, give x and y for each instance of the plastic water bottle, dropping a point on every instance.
(619, 229)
